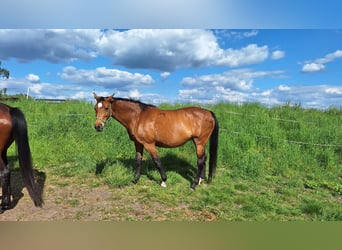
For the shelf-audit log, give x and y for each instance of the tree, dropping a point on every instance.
(4, 72)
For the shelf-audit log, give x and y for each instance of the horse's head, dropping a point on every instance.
(103, 109)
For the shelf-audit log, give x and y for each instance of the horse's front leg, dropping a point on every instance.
(139, 148)
(153, 152)
(5, 177)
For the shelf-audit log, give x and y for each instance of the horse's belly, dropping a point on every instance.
(172, 138)
(170, 144)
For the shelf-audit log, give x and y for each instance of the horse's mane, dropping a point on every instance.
(141, 104)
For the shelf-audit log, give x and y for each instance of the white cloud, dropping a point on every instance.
(165, 75)
(235, 35)
(319, 64)
(330, 57)
(240, 79)
(134, 94)
(313, 67)
(251, 54)
(107, 78)
(164, 50)
(51, 45)
(321, 96)
(315, 96)
(238, 86)
(334, 91)
(33, 78)
(37, 88)
(188, 93)
(277, 54)
(284, 88)
(40, 89)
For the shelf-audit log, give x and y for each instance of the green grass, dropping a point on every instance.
(280, 163)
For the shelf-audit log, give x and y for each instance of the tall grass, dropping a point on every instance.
(279, 163)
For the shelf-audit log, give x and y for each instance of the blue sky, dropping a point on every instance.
(199, 65)
(290, 61)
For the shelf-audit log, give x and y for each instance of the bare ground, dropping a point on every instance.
(72, 202)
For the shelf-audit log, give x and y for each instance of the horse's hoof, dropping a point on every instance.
(3, 208)
(163, 184)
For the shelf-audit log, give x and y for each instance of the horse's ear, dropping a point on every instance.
(111, 97)
(95, 96)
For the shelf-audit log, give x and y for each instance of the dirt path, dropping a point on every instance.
(65, 203)
(71, 201)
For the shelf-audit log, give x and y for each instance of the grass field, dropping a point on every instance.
(280, 163)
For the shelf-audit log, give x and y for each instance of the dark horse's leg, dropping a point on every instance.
(153, 152)
(139, 148)
(161, 170)
(5, 177)
(200, 171)
(201, 158)
(203, 171)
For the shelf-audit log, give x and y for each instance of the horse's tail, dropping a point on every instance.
(213, 149)
(24, 155)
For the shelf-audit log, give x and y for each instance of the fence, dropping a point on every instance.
(284, 140)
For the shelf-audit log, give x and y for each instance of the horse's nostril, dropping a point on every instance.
(98, 127)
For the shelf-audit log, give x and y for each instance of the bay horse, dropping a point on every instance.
(13, 127)
(149, 126)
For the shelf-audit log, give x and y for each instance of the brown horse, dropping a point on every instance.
(149, 126)
(13, 127)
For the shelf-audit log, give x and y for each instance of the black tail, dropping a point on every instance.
(24, 156)
(213, 149)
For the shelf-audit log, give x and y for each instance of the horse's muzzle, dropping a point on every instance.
(99, 124)
(99, 127)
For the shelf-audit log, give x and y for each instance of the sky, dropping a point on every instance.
(269, 62)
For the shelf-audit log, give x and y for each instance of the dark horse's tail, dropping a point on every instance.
(24, 155)
(213, 149)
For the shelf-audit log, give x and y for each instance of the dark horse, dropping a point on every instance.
(149, 126)
(13, 127)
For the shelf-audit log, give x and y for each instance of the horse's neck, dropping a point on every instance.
(125, 112)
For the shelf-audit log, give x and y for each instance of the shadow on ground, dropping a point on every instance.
(17, 184)
(171, 163)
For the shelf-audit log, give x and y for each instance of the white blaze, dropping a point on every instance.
(99, 105)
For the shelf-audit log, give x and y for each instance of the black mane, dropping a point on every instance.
(141, 104)
(100, 99)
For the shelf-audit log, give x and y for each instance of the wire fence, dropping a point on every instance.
(256, 135)
(280, 139)
(283, 140)
(280, 119)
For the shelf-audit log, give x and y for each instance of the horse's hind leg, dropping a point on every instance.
(203, 172)
(200, 170)
(201, 159)
(5, 177)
